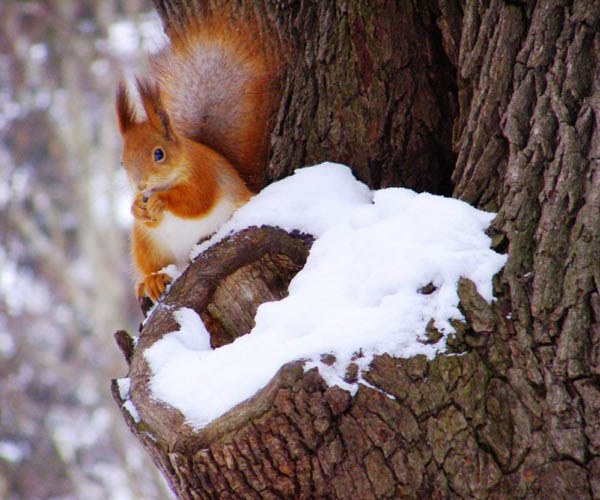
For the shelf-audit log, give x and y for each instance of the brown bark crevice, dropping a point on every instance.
(548, 209)
(363, 88)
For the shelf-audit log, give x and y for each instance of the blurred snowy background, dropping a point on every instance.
(65, 282)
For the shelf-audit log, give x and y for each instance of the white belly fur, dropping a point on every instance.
(178, 236)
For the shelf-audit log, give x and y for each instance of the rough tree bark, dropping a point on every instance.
(504, 97)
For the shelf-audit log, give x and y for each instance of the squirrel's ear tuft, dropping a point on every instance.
(125, 111)
(157, 115)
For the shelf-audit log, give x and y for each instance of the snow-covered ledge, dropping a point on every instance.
(381, 282)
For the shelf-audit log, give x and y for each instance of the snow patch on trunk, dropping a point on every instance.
(361, 290)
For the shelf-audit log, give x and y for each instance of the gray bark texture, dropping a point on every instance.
(500, 102)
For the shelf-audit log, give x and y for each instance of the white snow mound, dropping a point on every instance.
(359, 289)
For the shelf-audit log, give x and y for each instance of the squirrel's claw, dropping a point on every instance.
(155, 207)
(152, 286)
(148, 209)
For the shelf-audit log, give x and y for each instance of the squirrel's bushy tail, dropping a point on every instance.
(218, 83)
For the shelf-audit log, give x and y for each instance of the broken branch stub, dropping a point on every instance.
(224, 285)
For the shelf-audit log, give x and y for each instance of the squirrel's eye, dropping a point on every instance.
(159, 155)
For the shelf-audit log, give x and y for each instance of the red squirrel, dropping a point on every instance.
(201, 149)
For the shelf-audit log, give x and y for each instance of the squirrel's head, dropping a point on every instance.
(152, 154)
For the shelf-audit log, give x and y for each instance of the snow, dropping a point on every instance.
(358, 292)
(124, 384)
(74, 431)
(123, 38)
(13, 452)
(132, 410)
(126, 38)
(38, 52)
(21, 291)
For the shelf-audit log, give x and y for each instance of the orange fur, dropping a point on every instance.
(207, 102)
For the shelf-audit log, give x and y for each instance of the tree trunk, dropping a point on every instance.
(504, 97)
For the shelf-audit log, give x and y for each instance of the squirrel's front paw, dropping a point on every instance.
(148, 209)
(152, 286)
